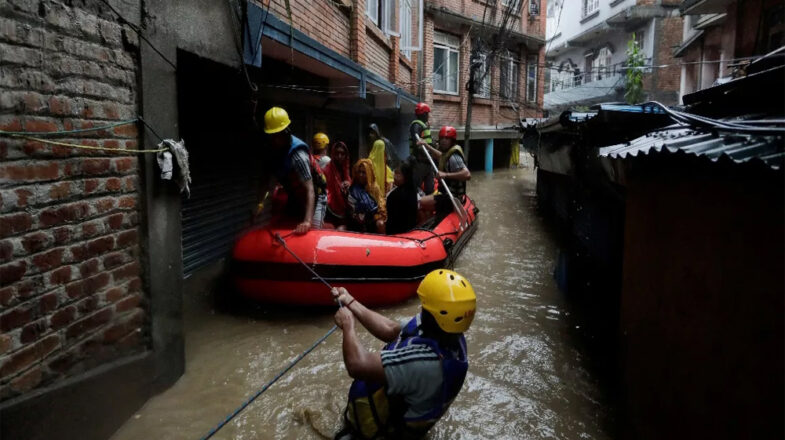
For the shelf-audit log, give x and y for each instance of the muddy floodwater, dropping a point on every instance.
(529, 374)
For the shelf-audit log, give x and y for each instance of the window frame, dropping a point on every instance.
(368, 11)
(405, 24)
(590, 7)
(509, 77)
(450, 47)
(483, 90)
(531, 64)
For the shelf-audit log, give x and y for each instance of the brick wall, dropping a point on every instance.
(323, 21)
(377, 51)
(70, 289)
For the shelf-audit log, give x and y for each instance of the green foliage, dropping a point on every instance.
(634, 78)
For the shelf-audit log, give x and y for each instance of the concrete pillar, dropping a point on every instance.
(489, 156)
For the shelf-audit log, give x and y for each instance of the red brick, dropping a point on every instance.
(32, 331)
(96, 283)
(60, 276)
(25, 357)
(18, 316)
(11, 125)
(106, 204)
(29, 173)
(75, 290)
(10, 273)
(95, 166)
(60, 190)
(124, 164)
(111, 143)
(49, 260)
(134, 285)
(126, 271)
(115, 332)
(7, 296)
(126, 131)
(59, 106)
(127, 202)
(115, 221)
(36, 242)
(114, 260)
(114, 294)
(6, 251)
(89, 268)
(13, 224)
(5, 343)
(29, 287)
(40, 126)
(63, 214)
(62, 317)
(126, 238)
(22, 197)
(133, 340)
(89, 230)
(63, 362)
(114, 184)
(100, 246)
(61, 235)
(90, 185)
(87, 305)
(91, 322)
(130, 183)
(27, 381)
(128, 303)
(49, 302)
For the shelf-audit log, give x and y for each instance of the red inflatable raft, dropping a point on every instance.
(376, 269)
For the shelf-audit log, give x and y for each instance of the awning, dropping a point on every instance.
(311, 55)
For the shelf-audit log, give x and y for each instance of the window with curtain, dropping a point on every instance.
(482, 88)
(590, 6)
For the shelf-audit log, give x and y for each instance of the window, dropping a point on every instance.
(590, 7)
(482, 77)
(445, 63)
(534, 8)
(406, 27)
(372, 10)
(531, 78)
(601, 64)
(511, 3)
(508, 77)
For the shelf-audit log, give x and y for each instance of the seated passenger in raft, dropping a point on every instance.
(366, 201)
(339, 179)
(402, 202)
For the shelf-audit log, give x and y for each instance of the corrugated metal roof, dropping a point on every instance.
(738, 147)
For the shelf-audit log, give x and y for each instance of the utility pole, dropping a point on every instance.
(467, 128)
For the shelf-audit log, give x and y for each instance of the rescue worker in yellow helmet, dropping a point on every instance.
(404, 390)
(319, 145)
(297, 171)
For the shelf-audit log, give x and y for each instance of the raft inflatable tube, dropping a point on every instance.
(376, 269)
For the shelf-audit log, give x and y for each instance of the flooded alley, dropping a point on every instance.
(528, 375)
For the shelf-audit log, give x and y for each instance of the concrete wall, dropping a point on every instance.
(701, 311)
(570, 26)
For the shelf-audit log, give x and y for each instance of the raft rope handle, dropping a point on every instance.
(291, 364)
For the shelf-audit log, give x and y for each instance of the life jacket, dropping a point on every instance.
(457, 187)
(373, 414)
(426, 136)
(291, 181)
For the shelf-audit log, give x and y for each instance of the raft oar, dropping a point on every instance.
(462, 216)
(291, 364)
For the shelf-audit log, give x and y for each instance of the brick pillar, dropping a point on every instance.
(395, 54)
(357, 33)
(463, 67)
(428, 59)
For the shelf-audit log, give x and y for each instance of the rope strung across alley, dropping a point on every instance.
(250, 400)
(37, 136)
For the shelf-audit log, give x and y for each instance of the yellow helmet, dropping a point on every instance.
(320, 141)
(450, 298)
(275, 120)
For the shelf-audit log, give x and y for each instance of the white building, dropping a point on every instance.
(586, 50)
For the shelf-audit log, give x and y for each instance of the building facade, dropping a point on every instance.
(587, 50)
(713, 50)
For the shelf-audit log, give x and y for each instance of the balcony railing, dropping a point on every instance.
(569, 80)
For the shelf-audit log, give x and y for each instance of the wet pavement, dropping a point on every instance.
(529, 374)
